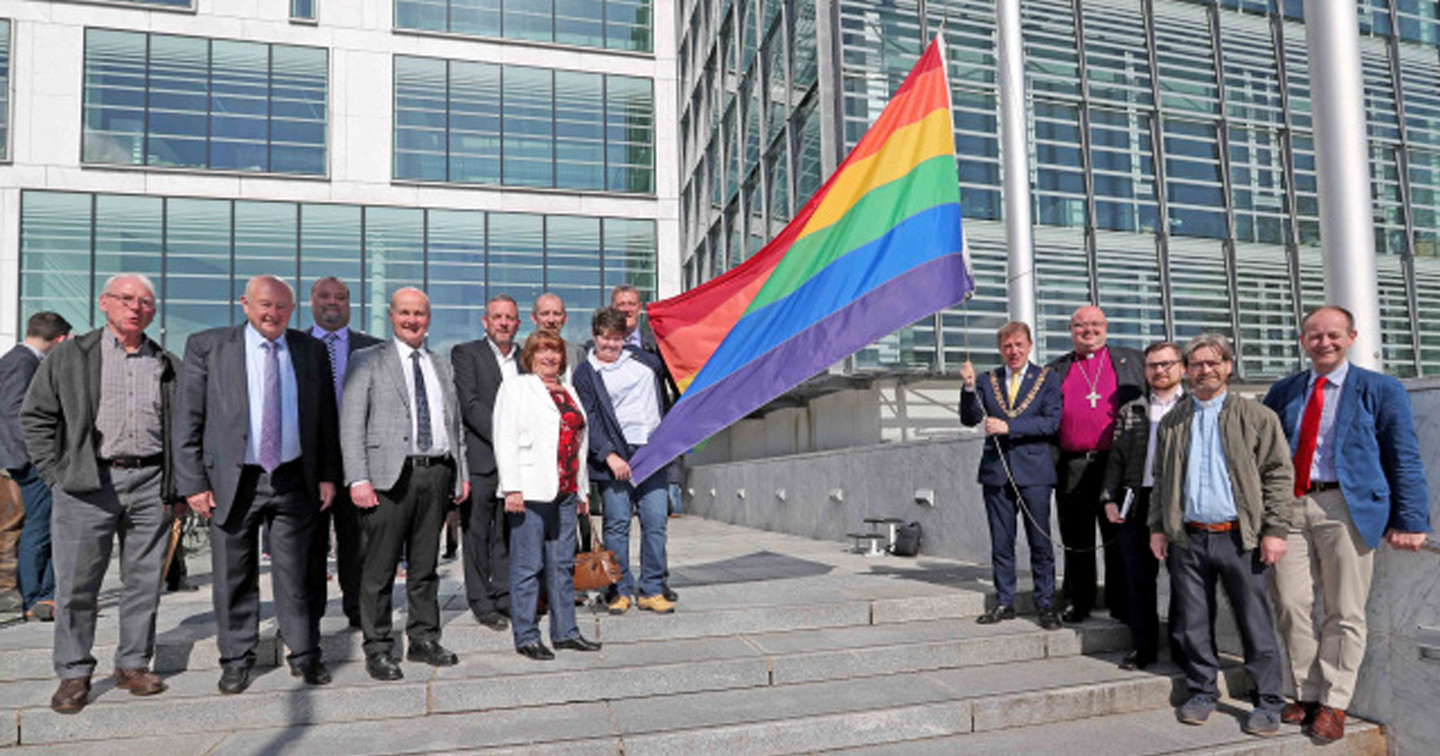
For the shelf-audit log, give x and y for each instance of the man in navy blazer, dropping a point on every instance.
(1019, 404)
(1358, 479)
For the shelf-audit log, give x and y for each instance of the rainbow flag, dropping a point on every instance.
(877, 248)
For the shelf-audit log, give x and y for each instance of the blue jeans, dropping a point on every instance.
(652, 501)
(542, 539)
(35, 570)
(677, 502)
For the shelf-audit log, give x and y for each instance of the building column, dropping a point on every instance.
(1347, 230)
(1015, 163)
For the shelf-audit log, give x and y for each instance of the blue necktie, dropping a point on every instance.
(331, 339)
(271, 437)
(422, 406)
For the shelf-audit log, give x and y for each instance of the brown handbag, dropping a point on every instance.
(596, 569)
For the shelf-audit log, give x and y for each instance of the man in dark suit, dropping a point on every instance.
(548, 313)
(480, 366)
(1359, 480)
(330, 309)
(26, 545)
(1096, 379)
(1019, 404)
(258, 447)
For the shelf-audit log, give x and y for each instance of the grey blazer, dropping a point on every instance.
(375, 417)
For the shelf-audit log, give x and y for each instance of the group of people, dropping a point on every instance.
(1275, 499)
(266, 428)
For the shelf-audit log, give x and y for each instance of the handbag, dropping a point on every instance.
(907, 540)
(596, 569)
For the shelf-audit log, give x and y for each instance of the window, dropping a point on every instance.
(303, 10)
(4, 89)
(546, 128)
(607, 24)
(168, 101)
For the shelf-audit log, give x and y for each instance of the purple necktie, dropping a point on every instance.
(331, 344)
(270, 434)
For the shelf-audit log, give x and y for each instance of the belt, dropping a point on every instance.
(1213, 527)
(418, 461)
(1088, 456)
(133, 463)
(1316, 486)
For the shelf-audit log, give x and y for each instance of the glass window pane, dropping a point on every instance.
(239, 106)
(627, 24)
(197, 268)
(299, 80)
(474, 135)
(580, 130)
(580, 22)
(4, 89)
(55, 230)
(529, 142)
(420, 118)
(630, 250)
(178, 101)
(428, 15)
(114, 97)
(456, 259)
(303, 10)
(480, 17)
(330, 246)
(572, 269)
(265, 244)
(516, 256)
(394, 258)
(529, 19)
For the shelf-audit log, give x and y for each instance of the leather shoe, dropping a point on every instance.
(1329, 725)
(140, 681)
(536, 651)
(1134, 660)
(184, 586)
(578, 643)
(432, 653)
(1073, 615)
(382, 667)
(72, 695)
(493, 620)
(1049, 619)
(669, 595)
(996, 614)
(234, 678)
(314, 672)
(1300, 712)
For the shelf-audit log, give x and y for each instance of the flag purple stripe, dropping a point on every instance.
(921, 291)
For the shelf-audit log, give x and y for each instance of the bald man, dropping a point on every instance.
(548, 314)
(258, 441)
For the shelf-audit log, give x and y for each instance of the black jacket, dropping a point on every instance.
(17, 367)
(477, 380)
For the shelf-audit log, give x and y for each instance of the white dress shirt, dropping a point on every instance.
(1155, 410)
(1324, 461)
(289, 403)
(509, 366)
(434, 398)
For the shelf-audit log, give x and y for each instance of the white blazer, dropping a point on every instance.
(527, 440)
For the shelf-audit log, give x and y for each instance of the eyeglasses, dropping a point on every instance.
(1165, 365)
(130, 300)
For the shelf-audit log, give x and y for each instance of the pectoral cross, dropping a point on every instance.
(1094, 397)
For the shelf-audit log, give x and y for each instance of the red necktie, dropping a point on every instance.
(1309, 435)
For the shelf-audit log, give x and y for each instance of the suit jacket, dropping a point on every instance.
(527, 441)
(1029, 444)
(215, 414)
(17, 367)
(1377, 456)
(477, 379)
(60, 409)
(1129, 367)
(375, 421)
(606, 437)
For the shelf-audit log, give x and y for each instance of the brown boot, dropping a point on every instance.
(1329, 725)
(140, 681)
(1299, 713)
(72, 695)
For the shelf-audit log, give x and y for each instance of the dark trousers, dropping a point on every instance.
(277, 501)
(35, 572)
(1194, 570)
(408, 520)
(1002, 510)
(348, 549)
(542, 551)
(486, 548)
(1141, 571)
(1077, 501)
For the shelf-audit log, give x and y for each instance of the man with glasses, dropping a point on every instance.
(1221, 511)
(97, 424)
(1129, 480)
(1095, 381)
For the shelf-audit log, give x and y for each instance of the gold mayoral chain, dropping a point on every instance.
(1013, 412)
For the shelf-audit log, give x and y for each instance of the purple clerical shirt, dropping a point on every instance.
(1084, 429)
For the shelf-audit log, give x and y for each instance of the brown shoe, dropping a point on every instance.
(1329, 725)
(1299, 713)
(41, 611)
(72, 695)
(140, 681)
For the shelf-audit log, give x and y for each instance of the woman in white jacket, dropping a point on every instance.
(540, 448)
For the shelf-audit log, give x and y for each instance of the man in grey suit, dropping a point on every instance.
(97, 422)
(29, 538)
(404, 458)
(480, 366)
(330, 308)
(257, 447)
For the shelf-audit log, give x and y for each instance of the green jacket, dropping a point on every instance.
(1257, 455)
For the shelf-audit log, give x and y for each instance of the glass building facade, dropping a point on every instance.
(612, 24)
(4, 89)
(1171, 146)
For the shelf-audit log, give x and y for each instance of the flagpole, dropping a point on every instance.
(1015, 162)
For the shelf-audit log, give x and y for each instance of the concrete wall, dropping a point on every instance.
(1399, 684)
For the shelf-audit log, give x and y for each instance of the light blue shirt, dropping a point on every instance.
(1208, 497)
(631, 386)
(342, 356)
(289, 402)
(1324, 462)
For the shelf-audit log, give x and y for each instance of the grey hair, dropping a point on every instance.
(1215, 341)
(141, 277)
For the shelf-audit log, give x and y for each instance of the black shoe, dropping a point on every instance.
(1000, 612)
(314, 672)
(184, 586)
(355, 623)
(432, 653)
(493, 620)
(1134, 660)
(382, 667)
(1073, 615)
(1049, 619)
(578, 643)
(536, 651)
(669, 595)
(234, 678)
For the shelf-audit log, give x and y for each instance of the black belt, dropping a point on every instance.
(1088, 456)
(418, 461)
(133, 463)
(1316, 486)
